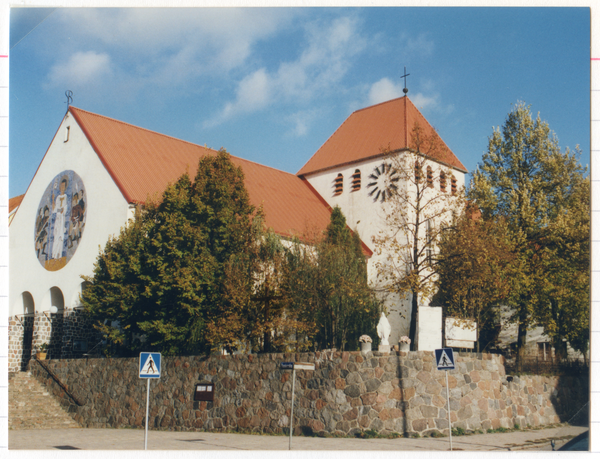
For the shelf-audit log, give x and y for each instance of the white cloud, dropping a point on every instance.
(420, 45)
(212, 39)
(82, 68)
(301, 122)
(423, 102)
(384, 90)
(325, 59)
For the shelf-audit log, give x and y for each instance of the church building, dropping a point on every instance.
(97, 169)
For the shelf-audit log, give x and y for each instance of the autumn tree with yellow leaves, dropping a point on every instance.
(424, 200)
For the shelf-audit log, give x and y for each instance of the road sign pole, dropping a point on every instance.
(292, 410)
(147, 409)
(449, 420)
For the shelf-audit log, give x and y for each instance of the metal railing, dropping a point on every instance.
(536, 365)
(71, 395)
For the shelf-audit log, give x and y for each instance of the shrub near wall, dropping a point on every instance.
(348, 392)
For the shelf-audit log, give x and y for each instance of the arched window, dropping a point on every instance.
(338, 185)
(28, 304)
(429, 177)
(356, 180)
(443, 182)
(57, 299)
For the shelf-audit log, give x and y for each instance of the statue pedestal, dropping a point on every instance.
(385, 348)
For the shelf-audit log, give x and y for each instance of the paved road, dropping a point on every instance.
(133, 439)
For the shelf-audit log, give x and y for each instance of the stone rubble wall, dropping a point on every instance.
(347, 393)
(59, 331)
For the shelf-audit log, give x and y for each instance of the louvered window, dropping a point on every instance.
(418, 171)
(429, 177)
(338, 185)
(453, 184)
(356, 180)
(443, 182)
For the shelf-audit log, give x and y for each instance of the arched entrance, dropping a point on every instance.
(55, 345)
(27, 322)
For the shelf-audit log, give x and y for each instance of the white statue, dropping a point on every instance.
(383, 330)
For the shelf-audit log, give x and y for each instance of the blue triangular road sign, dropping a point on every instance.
(444, 359)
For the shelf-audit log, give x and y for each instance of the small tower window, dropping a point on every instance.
(453, 184)
(443, 182)
(356, 180)
(67, 131)
(418, 172)
(338, 185)
(429, 177)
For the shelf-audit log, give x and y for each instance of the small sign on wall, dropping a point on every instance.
(205, 392)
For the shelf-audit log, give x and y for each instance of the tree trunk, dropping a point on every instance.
(267, 334)
(521, 341)
(412, 334)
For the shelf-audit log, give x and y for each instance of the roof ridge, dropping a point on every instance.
(435, 131)
(177, 139)
(380, 103)
(141, 128)
(345, 121)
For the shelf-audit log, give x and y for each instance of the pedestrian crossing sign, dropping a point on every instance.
(444, 358)
(149, 365)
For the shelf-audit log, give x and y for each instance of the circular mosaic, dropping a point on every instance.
(60, 220)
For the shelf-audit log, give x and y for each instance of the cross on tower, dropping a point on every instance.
(404, 76)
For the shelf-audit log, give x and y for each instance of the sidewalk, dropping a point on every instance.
(133, 439)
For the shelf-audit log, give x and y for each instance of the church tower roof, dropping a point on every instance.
(367, 131)
(143, 162)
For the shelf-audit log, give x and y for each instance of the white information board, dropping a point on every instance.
(461, 333)
(429, 328)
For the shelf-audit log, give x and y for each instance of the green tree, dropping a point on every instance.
(255, 316)
(561, 272)
(526, 179)
(327, 285)
(424, 196)
(163, 277)
(475, 265)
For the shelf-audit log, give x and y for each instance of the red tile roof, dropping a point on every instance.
(365, 132)
(144, 162)
(15, 202)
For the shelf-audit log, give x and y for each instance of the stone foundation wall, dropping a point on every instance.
(59, 331)
(348, 392)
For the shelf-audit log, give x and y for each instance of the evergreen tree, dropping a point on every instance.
(328, 288)
(163, 277)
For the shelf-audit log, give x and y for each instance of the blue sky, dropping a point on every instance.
(272, 84)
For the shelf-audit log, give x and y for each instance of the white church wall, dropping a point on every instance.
(368, 219)
(106, 211)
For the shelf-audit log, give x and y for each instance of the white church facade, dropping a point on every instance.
(96, 170)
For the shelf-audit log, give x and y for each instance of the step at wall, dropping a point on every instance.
(32, 407)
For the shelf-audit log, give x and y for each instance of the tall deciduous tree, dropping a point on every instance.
(475, 266)
(163, 277)
(424, 195)
(525, 178)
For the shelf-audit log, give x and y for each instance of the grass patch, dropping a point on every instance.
(370, 433)
(458, 432)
